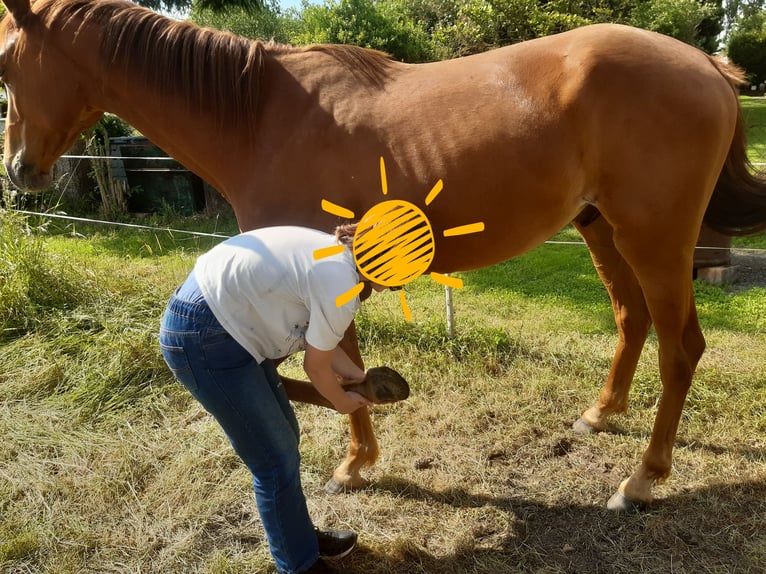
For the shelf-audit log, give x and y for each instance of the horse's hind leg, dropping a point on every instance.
(631, 317)
(363, 450)
(666, 279)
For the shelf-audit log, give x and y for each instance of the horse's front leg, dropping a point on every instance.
(363, 450)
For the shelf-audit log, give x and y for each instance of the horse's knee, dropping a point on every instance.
(636, 329)
(694, 344)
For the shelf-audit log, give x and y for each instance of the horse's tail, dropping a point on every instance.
(738, 205)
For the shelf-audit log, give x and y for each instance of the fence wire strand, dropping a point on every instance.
(121, 224)
(223, 236)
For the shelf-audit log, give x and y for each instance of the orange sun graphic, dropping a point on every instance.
(394, 243)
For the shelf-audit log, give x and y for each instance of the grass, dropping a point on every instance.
(106, 465)
(754, 114)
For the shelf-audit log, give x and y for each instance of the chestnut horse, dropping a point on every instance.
(626, 133)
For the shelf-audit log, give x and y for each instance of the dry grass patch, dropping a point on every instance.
(107, 466)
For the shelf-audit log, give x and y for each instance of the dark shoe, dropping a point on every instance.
(334, 544)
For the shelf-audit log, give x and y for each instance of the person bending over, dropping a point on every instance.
(250, 301)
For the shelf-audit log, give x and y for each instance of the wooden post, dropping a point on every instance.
(450, 311)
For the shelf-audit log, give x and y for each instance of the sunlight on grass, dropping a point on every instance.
(754, 114)
(107, 464)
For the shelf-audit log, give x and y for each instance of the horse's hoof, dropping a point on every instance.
(382, 385)
(621, 503)
(580, 426)
(335, 487)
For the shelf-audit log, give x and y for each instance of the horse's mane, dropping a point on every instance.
(210, 69)
(370, 65)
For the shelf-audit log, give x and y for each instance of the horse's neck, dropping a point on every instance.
(171, 128)
(193, 138)
(250, 170)
(185, 136)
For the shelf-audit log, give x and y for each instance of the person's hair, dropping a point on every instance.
(345, 234)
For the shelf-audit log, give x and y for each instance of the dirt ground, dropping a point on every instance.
(751, 269)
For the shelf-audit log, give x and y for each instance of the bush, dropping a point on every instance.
(267, 24)
(680, 19)
(364, 23)
(748, 50)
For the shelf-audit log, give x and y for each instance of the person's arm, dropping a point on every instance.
(320, 369)
(345, 368)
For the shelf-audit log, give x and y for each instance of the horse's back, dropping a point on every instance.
(610, 58)
(524, 137)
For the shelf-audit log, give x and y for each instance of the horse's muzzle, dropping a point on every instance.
(27, 177)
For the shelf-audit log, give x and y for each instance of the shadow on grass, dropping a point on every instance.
(714, 529)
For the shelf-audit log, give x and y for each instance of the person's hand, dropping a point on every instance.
(349, 401)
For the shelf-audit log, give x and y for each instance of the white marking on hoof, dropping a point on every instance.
(621, 503)
(581, 426)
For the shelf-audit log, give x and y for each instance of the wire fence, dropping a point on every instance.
(63, 216)
(448, 292)
(449, 310)
(153, 228)
(121, 224)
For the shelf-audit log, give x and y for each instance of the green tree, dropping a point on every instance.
(680, 19)
(182, 7)
(462, 28)
(742, 15)
(746, 37)
(268, 23)
(422, 30)
(477, 25)
(364, 23)
(747, 49)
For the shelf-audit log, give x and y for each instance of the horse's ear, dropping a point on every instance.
(19, 9)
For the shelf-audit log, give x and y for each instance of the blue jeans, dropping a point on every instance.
(249, 402)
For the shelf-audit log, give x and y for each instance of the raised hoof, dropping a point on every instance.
(621, 503)
(382, 385)
(582, 427)
(335, 487)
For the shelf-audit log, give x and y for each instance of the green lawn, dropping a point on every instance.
(107, 465)
(754, 114)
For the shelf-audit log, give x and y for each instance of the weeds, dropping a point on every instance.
(33, 283)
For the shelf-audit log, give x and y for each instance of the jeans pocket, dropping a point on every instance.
(176, 359)
(222, 351)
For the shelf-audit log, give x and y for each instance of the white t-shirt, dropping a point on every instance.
(267, 290)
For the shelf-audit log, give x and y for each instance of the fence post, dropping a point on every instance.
(450, 311)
